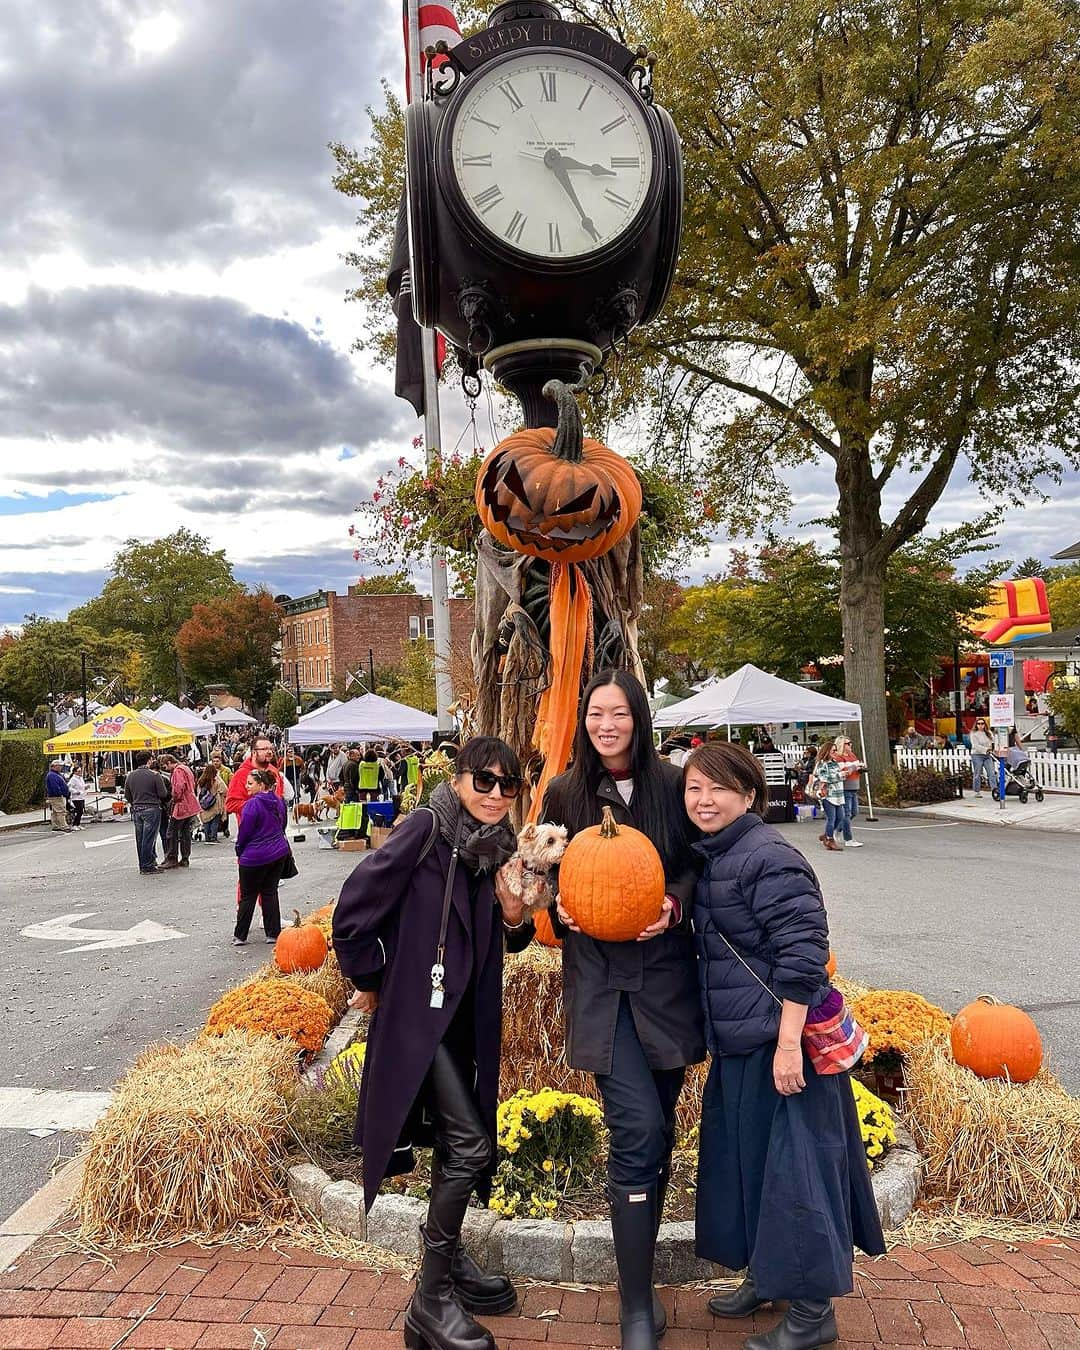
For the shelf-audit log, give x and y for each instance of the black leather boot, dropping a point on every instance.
(434, 1320)
(633, 1227)
(740, 1302)
(476, 1290)
(806, 1326)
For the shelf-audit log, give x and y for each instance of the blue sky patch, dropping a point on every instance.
(52, 501)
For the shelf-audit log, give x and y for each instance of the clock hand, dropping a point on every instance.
(597, 170)
(554, 162)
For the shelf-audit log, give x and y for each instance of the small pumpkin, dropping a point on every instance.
(556, 494)
(301, 947)
(996, 1040)
(545, 933)
(611, 881)
(830, 964)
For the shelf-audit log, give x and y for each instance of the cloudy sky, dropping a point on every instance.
(174, 342)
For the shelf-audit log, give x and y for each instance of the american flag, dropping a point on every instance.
(437, 24)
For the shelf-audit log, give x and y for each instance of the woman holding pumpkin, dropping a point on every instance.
(419, 932)
(633, 1017)
(783, 1187)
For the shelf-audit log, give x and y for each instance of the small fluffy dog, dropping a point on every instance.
(305, 811)
(525, 876)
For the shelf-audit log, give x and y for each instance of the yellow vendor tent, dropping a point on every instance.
(117, 728)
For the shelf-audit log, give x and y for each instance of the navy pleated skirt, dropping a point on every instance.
(783, 1185)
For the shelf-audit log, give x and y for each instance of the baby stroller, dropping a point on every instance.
(1019, 779)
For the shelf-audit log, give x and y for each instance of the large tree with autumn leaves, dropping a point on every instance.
(880, 270)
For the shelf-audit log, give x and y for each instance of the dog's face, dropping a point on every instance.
(542, 845)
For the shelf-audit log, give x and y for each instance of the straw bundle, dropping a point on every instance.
(327, 981)
(534, 1045)
(1011, 1150)
(192, 1142)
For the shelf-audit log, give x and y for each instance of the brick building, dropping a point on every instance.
(327, 634)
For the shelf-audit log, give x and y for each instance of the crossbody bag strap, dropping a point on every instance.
(438, 970)
(746, 966)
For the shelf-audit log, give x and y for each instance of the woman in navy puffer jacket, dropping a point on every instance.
(783, 1186)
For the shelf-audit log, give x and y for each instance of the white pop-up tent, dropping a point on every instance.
(751, 697)
(232, 717)
(367, 718)
(183, 718)
(316, 712)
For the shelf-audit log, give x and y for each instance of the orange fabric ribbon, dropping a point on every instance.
(557, 709)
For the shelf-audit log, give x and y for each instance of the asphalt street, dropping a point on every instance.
(74, 1019)
(952, 910)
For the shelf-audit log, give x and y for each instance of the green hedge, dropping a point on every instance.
(22, 770)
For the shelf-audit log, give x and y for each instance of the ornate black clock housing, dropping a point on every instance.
(545, 198)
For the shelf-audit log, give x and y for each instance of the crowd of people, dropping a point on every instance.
(733, 965)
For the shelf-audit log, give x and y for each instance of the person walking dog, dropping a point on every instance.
(633, 1017)
(421, 935)
(783, 1187)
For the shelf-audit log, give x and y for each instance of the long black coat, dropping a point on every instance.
(659, 975)
(386, 931)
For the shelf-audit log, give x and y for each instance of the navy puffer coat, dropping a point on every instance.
(760, 893)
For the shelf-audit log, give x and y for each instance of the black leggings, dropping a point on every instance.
(77, 809)
(463, 1150)
(255, 882)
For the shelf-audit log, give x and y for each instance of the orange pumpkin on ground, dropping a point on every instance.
(301, 947)
(611, 881)
(830, 964)
(995, 1040)
(555, 494)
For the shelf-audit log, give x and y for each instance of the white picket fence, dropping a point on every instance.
(1057, 773)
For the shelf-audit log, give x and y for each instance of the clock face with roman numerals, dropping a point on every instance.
(552, 155)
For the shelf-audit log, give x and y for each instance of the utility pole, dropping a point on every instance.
(85, 714)
(440, 603)
(371, 667)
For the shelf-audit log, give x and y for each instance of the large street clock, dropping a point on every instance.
(545, 197)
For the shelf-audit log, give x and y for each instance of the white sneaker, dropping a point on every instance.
(852, 843)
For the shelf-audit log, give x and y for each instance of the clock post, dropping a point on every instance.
(545, 199)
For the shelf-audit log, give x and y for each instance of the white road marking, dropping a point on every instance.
(39, 1109)
(63, 929)
(945, 825)
(102, 843)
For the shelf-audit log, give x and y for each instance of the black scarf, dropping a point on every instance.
(483, 848)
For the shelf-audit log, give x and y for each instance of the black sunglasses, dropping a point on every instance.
(484, 781)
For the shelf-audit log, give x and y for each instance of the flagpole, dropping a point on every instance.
(440, 603)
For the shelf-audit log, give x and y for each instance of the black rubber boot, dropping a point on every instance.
(658, 1309)
(806, 1326)
(476, 1290)
(434, 1320)
(740, 1302)
(633, 1226)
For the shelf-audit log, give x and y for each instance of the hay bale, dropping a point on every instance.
(534, 1046)
(193, 1142)
(328, 982)
(1011, 1150)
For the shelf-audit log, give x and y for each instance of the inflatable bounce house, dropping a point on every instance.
(1018, 610)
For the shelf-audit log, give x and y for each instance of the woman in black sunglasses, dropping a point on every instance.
(633, 1012)
(421, 935)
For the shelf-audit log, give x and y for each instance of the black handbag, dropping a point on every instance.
(290, 869)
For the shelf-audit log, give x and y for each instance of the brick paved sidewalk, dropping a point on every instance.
(985, 1295)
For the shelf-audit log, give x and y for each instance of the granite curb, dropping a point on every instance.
(549, 1250)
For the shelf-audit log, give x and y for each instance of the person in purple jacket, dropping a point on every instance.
(263, 853)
